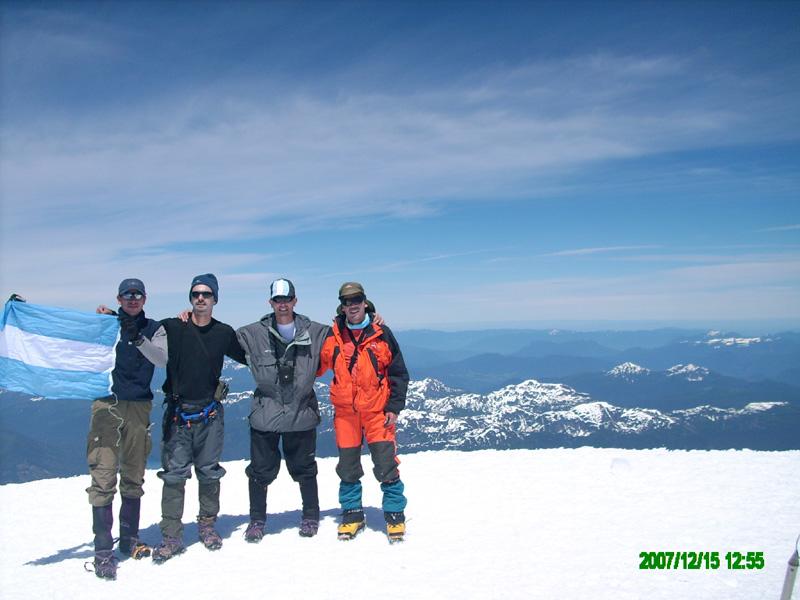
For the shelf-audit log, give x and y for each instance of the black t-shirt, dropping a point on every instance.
(197, 371)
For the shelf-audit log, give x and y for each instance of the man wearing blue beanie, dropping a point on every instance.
(193, 428)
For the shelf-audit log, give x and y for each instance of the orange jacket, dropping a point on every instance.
(368, 374)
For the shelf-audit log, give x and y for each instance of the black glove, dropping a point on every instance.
(130, 327)
(15, 298)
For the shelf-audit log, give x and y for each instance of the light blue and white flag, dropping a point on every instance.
(56, 352)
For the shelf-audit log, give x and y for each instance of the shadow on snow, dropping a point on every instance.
(226, 525)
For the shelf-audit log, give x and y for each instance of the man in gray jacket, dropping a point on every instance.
(282, 351)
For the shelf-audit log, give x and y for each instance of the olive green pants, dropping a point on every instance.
(118, 442)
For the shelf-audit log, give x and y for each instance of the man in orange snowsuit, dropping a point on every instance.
(368, 391)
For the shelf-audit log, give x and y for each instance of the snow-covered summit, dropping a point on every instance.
(595, 413)
(430, 388)
(718, 341)
(690, 371)
(735, 341)
(627, 370)
(529, 396)
(586, 419)
(535, 393)
(753, 407)
(229, 363)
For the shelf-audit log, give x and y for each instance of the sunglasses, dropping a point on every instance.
(203, 294)
(132, 296)
(351, 300)
(282, 299)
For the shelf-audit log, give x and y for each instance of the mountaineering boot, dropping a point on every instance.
(254, 532)
(105, 563)
(309, 527)
(395, 526)
(169, 547)
(129, 543)
(134, 548)
(352, 524)
(207, 534)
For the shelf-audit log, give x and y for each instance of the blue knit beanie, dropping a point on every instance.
(206, 279)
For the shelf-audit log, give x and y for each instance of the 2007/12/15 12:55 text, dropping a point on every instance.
(700, 560)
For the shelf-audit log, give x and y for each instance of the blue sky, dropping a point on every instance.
(474, 164)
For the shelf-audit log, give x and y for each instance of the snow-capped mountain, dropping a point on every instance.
(430, 388)
(690, 372)
(487, 361)
(535, 414)
(718, 339)
(687, 405)
(628, 370)
(680, 386)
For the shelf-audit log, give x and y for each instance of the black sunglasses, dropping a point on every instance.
(351, 300)
(282, 299)
(203, 294)
(132, 296)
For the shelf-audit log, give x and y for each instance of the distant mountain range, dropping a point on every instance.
(514, 356)
(540, 415)
(680, 386)
(593, 401)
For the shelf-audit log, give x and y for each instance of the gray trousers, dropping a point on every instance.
(200, 445)
(118, 442)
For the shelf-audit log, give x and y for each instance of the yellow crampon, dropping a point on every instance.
(396, 531)
(347, 531)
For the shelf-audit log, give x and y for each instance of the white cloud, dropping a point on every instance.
(117, 192)
(309, 157)
(794, 227)
(728, 290)
(602, 250)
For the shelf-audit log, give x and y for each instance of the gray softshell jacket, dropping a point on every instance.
(283, 407)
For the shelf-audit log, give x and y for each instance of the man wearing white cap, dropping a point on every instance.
(282, 351)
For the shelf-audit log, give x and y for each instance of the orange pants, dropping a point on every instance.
(351, 428)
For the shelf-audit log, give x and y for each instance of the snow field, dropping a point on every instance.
(555, 523)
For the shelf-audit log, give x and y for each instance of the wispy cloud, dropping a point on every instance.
(719, 291)
(736, 255)
(40, 40)
(308, 158)
(587, 251)
(242, 163)
(405, 264)
(781, 228)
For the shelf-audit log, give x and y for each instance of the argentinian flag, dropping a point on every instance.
(56, 352)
